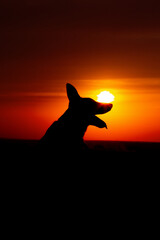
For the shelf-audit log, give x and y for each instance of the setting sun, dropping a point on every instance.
(105, 97)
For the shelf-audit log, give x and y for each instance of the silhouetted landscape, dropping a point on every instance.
(56, 59)
(64, 138)
(26, 146)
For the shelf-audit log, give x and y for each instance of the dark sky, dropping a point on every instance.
(45, 41)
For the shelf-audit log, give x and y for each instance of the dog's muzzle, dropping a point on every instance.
(103, 108)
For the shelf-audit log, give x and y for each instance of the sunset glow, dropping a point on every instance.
(108, 50)
(135, 115)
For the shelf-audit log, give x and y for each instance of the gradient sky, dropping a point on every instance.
(94, 45)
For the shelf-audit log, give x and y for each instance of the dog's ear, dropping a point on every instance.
(72, 92)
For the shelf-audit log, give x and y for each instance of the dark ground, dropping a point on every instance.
(121, 146)
(34, 182)
(10, 146)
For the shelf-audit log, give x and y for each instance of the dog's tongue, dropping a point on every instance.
(97, 122)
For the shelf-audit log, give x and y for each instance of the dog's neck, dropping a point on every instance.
(74, 123)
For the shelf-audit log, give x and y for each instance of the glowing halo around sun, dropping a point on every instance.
(105, 97)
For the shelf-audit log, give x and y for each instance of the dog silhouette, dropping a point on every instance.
(68, 131)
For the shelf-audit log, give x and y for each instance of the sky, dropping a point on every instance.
(94, 45)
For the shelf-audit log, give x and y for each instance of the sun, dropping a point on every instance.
(105, 97)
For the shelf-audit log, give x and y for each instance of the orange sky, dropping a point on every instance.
(94, 45)
(135, 115)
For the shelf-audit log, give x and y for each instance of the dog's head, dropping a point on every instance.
(87, 108)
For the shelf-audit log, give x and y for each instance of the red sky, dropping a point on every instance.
(95, 45)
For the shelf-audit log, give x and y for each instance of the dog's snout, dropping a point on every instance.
(110, 105)
(104, 107)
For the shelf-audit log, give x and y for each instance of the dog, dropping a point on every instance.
(68, 131)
